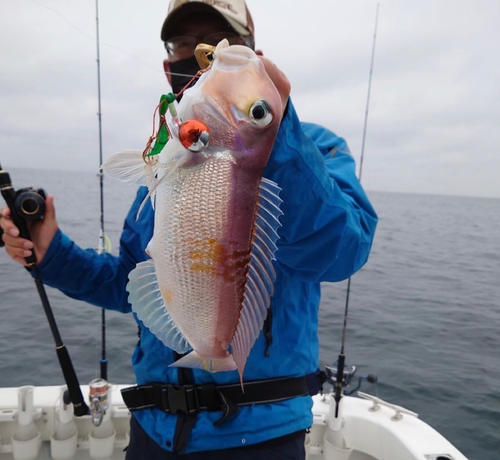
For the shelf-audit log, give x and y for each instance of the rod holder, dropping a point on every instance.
(64, 441)
(334, 445)
(26, 441)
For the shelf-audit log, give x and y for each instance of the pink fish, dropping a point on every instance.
(208, 284)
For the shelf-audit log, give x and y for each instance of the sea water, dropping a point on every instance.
(424, 313)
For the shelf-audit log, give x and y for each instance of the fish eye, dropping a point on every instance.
(260, 113)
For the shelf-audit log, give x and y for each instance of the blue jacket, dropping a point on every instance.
(327, 230)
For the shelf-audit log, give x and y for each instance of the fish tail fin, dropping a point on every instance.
(195, 361)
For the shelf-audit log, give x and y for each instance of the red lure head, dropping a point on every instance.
(194, 135)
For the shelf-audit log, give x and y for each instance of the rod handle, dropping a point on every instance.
(75, 393)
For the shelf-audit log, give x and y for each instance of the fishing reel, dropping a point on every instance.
(347, 376)
(29, 204)
(26, 204)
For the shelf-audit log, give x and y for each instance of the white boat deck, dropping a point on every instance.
(371, 429)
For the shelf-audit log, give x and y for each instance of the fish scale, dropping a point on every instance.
(202, 192)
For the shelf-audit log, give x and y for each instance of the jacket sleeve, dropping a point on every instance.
(328, 223)
(99, 279)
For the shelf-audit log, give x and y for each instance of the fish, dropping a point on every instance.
(206, 289)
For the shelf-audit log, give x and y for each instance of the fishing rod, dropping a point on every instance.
(340, 377)
(103, 241)
(28, 204)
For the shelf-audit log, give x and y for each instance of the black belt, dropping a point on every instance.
(191, 399)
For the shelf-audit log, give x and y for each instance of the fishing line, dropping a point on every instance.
(190, 82)
(360, 172)
(160, 109)
(368, 96)
(180, 74)
(341, 357)
(167, 102)
(112, 46)
(109, 45)
(156, 69)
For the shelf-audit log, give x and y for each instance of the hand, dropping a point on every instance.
(41, 231)
(278, 78)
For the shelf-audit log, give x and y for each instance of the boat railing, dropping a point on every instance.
(377, 402)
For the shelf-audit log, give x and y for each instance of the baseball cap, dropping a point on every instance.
(235, 12)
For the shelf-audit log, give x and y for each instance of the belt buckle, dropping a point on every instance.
(181, 398)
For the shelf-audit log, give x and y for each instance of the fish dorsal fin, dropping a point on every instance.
(147, 302)
(261, 274)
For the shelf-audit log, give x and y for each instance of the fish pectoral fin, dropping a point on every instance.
(195, 361)
(149, 304)
(261, 273)
(163, 173)
(128, 166)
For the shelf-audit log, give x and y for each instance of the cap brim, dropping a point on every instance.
(169, 26)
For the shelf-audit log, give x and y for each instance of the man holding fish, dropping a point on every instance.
(252, 211)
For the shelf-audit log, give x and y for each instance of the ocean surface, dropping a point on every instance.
(424, 313)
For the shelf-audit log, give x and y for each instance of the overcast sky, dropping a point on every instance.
(434, 112)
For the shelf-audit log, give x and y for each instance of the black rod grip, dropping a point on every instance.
(75, 393)
(339, 380)
(46, 307)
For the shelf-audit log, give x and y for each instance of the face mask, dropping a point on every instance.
(185, 67)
